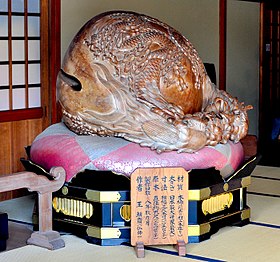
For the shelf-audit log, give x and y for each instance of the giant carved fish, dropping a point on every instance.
(133, 76)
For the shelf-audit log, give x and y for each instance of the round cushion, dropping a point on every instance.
(58, 146)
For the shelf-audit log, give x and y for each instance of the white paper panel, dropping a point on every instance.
(17, 5)
(33, 26)
(3, 25)
(34, 6)
(34, 97)
(4, 75)
(34, 74)
(18, 98)
(34, 49)
(18, 75)
(17, 26)
(4, 50)
(4, 6)
(4, 99)
(18, 50)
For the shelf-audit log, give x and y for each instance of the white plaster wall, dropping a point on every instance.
(198, 20)
(243, 56)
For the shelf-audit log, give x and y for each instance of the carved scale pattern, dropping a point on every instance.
(140, 51)
(142, 80)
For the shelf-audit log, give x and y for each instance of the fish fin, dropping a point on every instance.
(160, 131)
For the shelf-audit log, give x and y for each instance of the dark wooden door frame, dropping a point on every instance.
(55, 53)
(222, 43)
(268, 94)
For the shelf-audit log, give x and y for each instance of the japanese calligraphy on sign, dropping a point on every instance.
(159, 206)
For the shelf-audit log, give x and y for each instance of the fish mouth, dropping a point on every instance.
(70, 80)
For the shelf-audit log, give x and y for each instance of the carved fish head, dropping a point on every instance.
(136, 50)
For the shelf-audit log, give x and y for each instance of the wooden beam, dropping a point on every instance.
(21, 114)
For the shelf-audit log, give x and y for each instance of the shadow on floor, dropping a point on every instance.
(18, 235)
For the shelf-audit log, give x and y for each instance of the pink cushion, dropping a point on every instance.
(58, 146)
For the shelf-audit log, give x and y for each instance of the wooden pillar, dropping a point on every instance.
(55, 55)
(45, 211)
(222, 44)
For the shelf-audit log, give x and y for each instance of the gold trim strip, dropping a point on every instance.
(197, 230)
(103, 196)
(199, 194)
(246, 181)
(103, 232)
(232, 214)
(236, 173)
(245, 214)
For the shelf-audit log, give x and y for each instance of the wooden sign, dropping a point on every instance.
(159, 206)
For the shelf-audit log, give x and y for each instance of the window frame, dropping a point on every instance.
(49, 66)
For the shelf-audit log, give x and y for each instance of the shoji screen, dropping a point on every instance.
(20, 83)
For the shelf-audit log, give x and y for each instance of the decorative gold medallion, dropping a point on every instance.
(226, 186)
(217, 203)
(64, 190)
(125, 212)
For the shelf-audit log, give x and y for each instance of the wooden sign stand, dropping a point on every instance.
(159, 208)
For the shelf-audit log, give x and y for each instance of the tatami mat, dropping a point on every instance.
(265, 186)
(249, 243)
(265, 209)
(267, 171)
(258, 241)
(265, 181)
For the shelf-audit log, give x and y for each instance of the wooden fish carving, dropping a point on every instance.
(132, 76)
